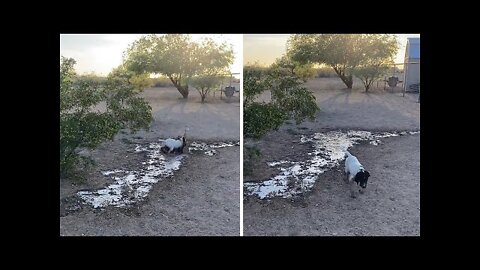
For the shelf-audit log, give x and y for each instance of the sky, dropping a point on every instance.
(100, 53)
(265, 48)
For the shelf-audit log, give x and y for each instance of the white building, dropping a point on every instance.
(411, 80)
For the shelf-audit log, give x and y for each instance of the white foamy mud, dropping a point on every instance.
(328, 150)
(133, 186)
(209, 149)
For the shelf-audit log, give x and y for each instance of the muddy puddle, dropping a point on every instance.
(328, 150)
(132, 186)
(209, 149)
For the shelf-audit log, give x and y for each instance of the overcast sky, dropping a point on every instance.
(265, 48)
(101, 53)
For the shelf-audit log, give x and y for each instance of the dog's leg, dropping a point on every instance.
(353, 187)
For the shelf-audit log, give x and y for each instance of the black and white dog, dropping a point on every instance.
(174, 145)
(356, 174)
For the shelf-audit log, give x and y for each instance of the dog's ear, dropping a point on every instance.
(367, 174)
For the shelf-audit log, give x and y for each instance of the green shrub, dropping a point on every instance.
(325, 72)
(161, 82)
(80, 127)
(251, 157)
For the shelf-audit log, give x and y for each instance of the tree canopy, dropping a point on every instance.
(289, 100)
(378, 54)
(177, 57)
(343, 52)
(84, 126)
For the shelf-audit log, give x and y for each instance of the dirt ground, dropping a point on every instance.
(201, 198)
(391, 204)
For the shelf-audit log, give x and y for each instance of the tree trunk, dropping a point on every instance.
(347, 80)
(183, 89)
(367, 84)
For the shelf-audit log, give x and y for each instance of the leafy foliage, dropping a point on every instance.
(343, 52)
(302, 71)
(81, 126)
(161, 82)
(259, 118)
(177, 57)
(138, 81)
(378, 52)
(206, 83)
(289, 100)
(212, 61)
(251, 157)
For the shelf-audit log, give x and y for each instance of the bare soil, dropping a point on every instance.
(201, 198)
(391, 204)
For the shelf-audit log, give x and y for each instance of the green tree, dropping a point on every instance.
(138, 81)
(302, 71)
(289, 100)
(345, 53)
(340, 51)
(212, 61)
(378, 54)
(205, 83)
(177, 57)
(81, 126)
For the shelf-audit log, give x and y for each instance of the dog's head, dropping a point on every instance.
(362, 178)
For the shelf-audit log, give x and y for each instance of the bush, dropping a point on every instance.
(80, 127)
(305, 72)
(325, 72)
(289, 100)
(259, 118)
(162, 82)
(92, 77)
(251, 157)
